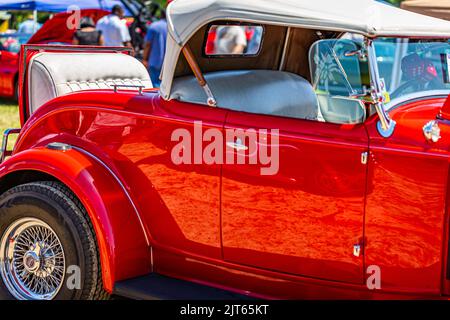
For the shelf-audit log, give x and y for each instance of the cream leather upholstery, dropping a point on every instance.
(53, 74)
(255, 91)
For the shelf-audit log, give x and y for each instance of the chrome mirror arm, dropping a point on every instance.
(386, 125)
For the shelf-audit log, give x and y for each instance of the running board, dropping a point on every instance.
(159, 287)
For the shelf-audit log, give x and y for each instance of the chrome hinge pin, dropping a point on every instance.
(357, 250)
(364, 157)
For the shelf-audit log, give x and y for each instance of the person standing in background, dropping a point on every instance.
(88, 35)
(29, 26)
(114, 29)
(155, 49)
(230, 40)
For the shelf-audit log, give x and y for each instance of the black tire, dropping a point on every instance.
(55, 205)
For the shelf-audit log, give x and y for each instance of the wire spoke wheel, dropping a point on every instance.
(32, 260)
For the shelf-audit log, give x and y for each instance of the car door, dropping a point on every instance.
(180, 192)
(307, 218)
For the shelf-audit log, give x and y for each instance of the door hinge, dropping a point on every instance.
(364, 157)
(357, 250)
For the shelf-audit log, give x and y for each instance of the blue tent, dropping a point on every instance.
(57, 5)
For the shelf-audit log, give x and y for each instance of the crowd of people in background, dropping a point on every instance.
(233, 40)
(29, 26)
(88, 34)
(155, 48)
(114, 29)
(111, 30)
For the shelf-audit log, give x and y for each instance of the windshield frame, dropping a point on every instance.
(385, 125)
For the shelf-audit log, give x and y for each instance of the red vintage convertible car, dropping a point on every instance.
(294, 167)
(53, 31)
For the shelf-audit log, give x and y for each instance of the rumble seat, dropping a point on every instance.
(52, 74)
(256, 91)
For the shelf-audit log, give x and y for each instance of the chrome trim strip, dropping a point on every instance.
(123, 188)
(416, 153)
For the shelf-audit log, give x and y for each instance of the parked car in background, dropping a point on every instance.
(10, 44)
(318, 175)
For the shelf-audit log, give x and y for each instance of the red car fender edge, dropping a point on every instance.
(122, 241)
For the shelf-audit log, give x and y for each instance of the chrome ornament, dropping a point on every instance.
(432, 132)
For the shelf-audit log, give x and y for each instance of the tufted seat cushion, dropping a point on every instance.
(53, 74)
(255, 91)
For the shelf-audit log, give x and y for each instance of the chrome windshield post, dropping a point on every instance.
(386, 125)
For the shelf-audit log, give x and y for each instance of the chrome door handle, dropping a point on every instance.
(237, 145)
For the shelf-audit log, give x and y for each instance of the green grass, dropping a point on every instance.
(9, 117)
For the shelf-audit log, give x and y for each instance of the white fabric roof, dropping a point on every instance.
(366, 17)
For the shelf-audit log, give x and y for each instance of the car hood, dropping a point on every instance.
(56, 30)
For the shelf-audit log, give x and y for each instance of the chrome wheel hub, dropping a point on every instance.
(32, 261)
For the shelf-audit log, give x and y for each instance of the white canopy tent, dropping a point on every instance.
(366, 17)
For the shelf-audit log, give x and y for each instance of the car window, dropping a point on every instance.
(410, 67)
(233, 40)
(335, 67)
(339, 73)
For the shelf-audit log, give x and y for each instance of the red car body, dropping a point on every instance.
(139, 197)
(291, 235)
(53, 31)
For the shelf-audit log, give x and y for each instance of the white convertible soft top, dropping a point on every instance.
(366, 17)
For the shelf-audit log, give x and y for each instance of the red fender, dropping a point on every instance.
(122, 239)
